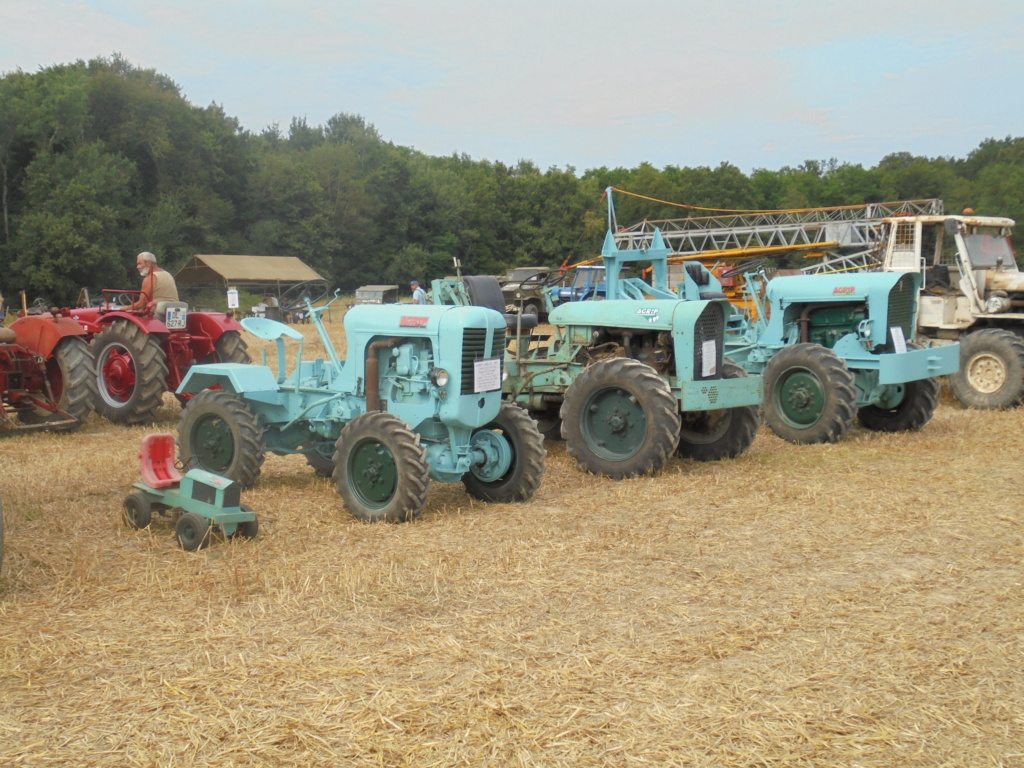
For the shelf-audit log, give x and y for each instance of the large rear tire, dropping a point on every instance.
(512, 432)
(218, 433)
(810, 396)
(229, 348)
(620, 419)
(70, 374)
(131, 373)
(991, 371)
(721, 434)
(381, 470)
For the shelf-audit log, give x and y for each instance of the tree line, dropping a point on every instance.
(100, 160)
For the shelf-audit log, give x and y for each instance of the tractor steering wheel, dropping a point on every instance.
(295, 297)
(739, 269)
(541, 280)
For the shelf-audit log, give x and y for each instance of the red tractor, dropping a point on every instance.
(141, 353)
(46, 376)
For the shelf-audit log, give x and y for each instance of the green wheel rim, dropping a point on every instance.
(373, 474)
(614, 423)
(800, 397)
(213, 443)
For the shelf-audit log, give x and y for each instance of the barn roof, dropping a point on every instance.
(252, 270)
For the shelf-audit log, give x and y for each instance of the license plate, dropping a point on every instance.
(175, 319)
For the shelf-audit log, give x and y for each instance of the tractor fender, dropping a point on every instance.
(238, 378)
(212, 324)
(147, 324)
(42, 333)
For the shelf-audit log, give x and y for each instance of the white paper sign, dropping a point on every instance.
(175, 319)
(709, 358)
(899, 341)
(487, 375)
(232, 299)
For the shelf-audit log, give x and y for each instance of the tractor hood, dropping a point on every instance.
(618, 313)
(846, 286)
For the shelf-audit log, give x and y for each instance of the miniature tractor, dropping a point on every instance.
(627, 380)
(419, 398)
(834, 348)
(45, 376)
(202, 500)
(140, 354)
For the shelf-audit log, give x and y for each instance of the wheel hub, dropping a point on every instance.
(987, 373)
(118, 380)
(801, 398)
(616, 423)
(374, 473)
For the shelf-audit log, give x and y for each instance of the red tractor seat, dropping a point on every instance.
(157, 460)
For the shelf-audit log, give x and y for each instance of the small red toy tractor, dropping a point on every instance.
(201, 499)
(46, 378)
(140, 354)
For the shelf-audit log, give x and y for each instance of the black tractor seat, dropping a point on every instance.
(484, 291)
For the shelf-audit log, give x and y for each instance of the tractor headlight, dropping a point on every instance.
(439, 377)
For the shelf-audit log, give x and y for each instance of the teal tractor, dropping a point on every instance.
(833, 349)
(630, 380)
(418, 398)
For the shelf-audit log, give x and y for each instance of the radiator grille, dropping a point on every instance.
(475, 347)
(710, 327)
(901, 308)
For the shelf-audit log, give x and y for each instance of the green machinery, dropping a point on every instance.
(626, 381)
(418, 398)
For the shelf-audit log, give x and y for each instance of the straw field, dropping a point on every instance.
(857, 604)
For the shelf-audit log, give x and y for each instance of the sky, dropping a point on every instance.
(571, 84)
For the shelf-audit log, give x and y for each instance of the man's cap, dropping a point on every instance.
(414, 282)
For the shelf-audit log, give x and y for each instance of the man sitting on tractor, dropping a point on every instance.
(157, 284)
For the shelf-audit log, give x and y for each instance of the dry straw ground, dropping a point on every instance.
(850, 605)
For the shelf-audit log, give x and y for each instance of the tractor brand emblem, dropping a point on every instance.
(843, 289)
(650, 313)
(412, 322)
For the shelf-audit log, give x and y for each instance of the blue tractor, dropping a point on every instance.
(418, 398)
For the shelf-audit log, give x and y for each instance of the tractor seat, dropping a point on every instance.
(157, 459)
(484, 291)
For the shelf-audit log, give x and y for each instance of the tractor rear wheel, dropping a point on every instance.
(193, 531)
(131, 373)
(229, 348)
(721, 434)
(218, 433)
(381, 470)
(620, 419)
(69, 372)
(809, 395)
(991, 371)
(511, 441)
(138, 511)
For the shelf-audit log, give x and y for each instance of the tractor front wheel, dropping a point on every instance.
(549, 422)
(991, 371)
(515, 449)
(193, 531)
(322, 461)
(380, 469)
(809, 395)
(138, 511)
(69, 374)
(721, 434)
(131, 373)
(218, 433)
(620, 419)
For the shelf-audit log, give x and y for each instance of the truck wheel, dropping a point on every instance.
(229, 348)
(131, 373)
(511, 441)
(620, 419)
(138, 511)
(533, 308)
(193, 531)
(218, 433)
(381, 470)
(69, 372)
(917, 401)
(722, 434)
(991, 371)
(809, 395)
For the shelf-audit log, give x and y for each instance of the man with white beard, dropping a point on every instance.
(157, 284)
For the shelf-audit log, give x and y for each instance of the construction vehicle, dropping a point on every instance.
(419, 398)
(629, 380)
(973, 292)
(45, 373)
(140, 354)
(202, 501)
